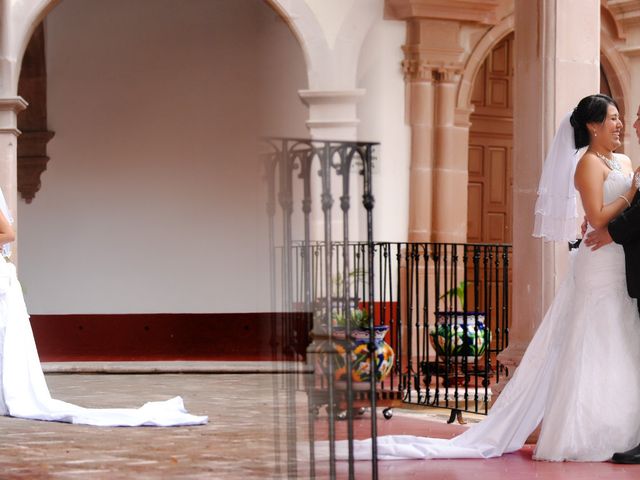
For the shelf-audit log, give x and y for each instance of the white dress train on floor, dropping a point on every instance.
(580, 375)
(24, 391)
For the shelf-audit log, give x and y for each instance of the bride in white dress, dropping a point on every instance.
(23, 389)
(580, 375)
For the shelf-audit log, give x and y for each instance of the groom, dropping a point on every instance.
(625, 230)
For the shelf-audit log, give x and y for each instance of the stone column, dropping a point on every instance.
(451, 173)
(432, 65)
(553, 72)
(435, 53)
(9, 108)
(419, 107)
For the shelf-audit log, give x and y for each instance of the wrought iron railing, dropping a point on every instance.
(303, 175)
(446, 306)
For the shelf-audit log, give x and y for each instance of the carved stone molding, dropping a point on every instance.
(9, 108)
(448, 74)
(633, 51)
(32, 143)
(417, 70)
(32, 162)
(433, 51)
(463, 116)
(332, 109)
(423, 71)
(610, 23)
(478, 11)
(627, 12)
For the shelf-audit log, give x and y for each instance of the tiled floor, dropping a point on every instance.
(245, 439)
(237, 443)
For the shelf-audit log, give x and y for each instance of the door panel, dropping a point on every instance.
(489, 217)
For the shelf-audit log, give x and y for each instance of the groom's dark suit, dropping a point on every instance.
(625, 230)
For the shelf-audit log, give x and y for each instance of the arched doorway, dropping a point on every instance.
(489, 214)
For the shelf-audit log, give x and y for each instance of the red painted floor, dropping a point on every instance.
(515, 466)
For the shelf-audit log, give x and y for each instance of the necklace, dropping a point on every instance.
(612, 162)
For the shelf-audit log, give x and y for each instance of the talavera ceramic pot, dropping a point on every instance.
(360, 357)
(458, 335)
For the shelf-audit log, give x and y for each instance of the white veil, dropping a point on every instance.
(4, 208)
(556, 213)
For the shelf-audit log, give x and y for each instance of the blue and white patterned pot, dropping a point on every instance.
(452, 336)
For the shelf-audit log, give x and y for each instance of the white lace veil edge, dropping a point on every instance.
(4, 208)
(556, 212)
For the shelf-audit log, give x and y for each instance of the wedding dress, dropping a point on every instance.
(580, 375)
(23, 389)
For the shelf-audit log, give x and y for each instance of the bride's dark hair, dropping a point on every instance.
(590, 109)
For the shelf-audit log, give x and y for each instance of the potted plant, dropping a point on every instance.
(358, 345)
(456, 332)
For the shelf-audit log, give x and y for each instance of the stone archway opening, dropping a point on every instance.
(147, 105)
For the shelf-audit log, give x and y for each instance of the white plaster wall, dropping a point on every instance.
(382, 112)
(152, 200)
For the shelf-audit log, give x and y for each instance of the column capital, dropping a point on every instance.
(17, 104)
(332, 113)
(448, 73)
(463, 116)
(9, 109)
(422, 70)
(317, 97)
(433, 50)
(416, 70)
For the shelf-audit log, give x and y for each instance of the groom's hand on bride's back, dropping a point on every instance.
(598, 238)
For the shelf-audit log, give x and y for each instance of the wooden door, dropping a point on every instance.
(489, 217)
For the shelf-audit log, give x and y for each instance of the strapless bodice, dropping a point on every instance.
(616, 183)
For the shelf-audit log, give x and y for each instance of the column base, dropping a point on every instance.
(510, 359)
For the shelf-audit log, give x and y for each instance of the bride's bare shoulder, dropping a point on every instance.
(590, 171)
(588, 161)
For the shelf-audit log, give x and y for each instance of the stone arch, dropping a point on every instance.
(308, 32)
(609, 20)
(615, 67)
(619, 78)
(187, 106)
(26, 16)
(328, 68)
(477, 57)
